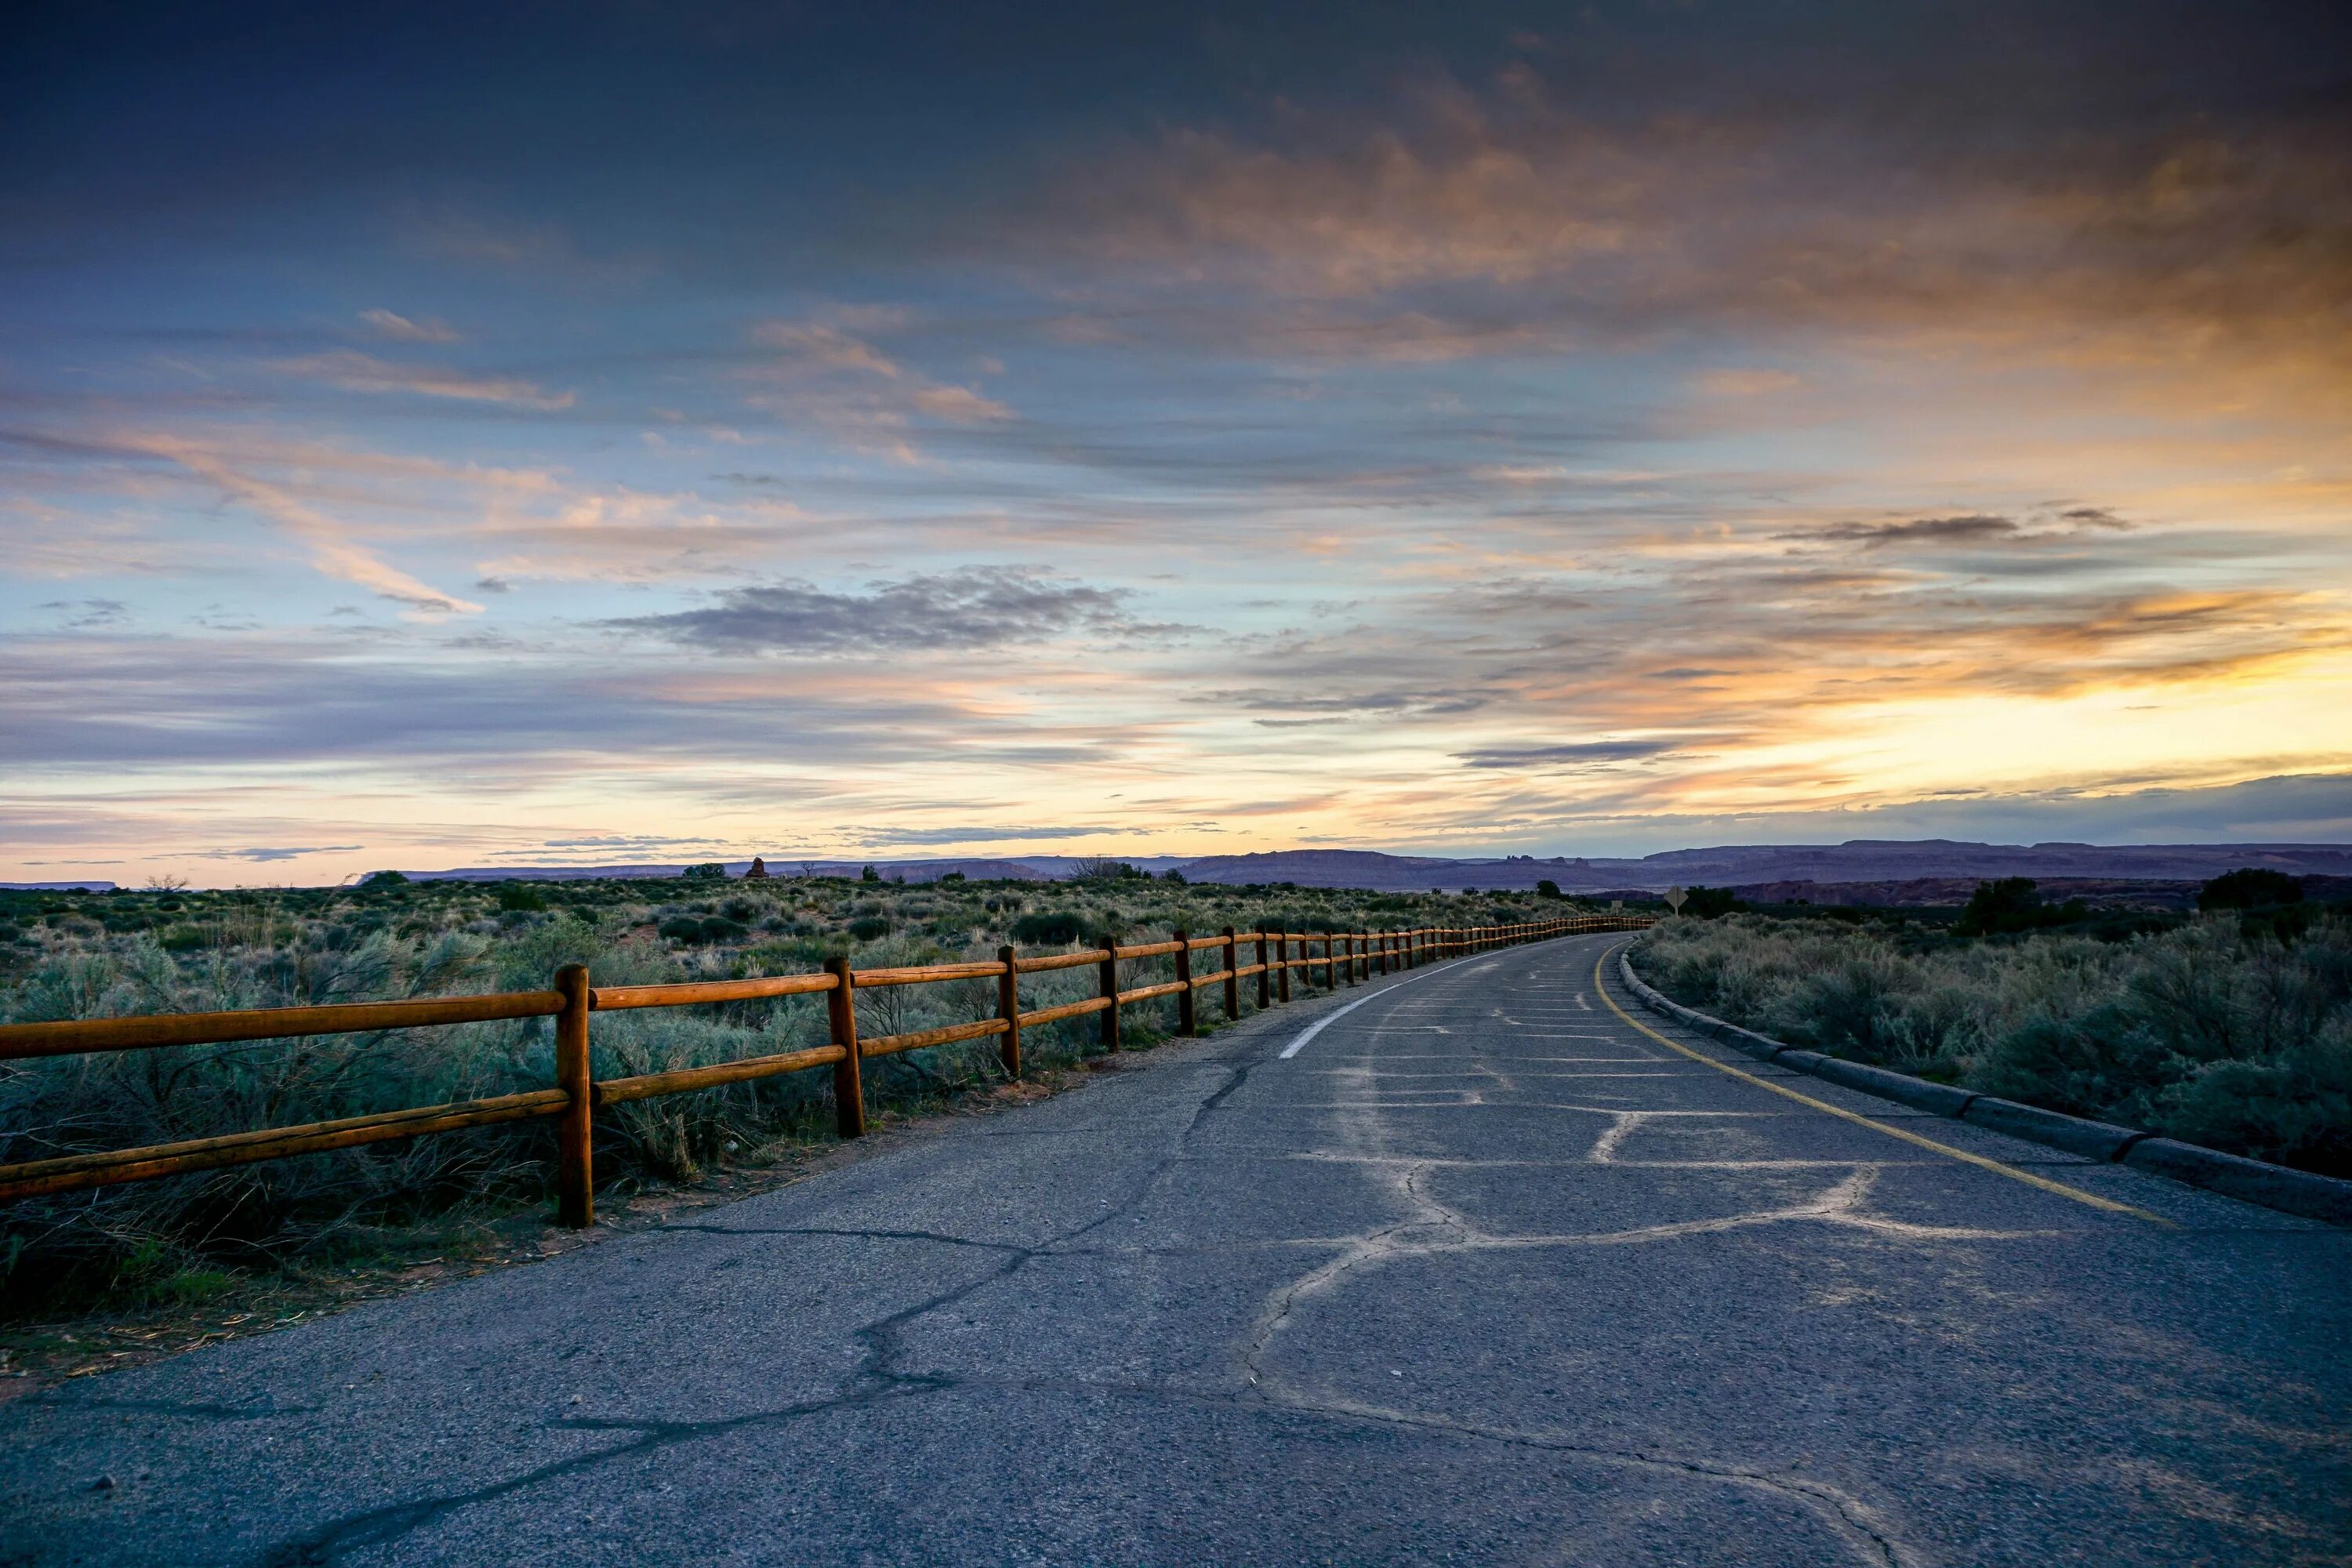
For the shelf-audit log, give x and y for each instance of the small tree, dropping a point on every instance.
(1708, 903)
(869, 875)
(384, 880)
(2249, 887)
(1547, 889)
(709, 871)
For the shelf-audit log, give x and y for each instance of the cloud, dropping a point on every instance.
(273, 854)
(355, 372)
(91, 615)
(333, 549)
(982, 608)
(824, 374)
(1577, 753)
(1965, 529)
(1975, 527)
(403, 329)
(1748, 382)
(1519, 217)
(959, 405)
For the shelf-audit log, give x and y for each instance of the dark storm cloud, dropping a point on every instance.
(983, 607)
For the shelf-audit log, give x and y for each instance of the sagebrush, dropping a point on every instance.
(85, 956)
(2233, 1034)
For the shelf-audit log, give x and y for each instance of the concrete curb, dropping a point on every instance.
(2250, 1180)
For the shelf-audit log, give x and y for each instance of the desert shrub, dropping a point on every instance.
(2207, 1031)
(1058, 928)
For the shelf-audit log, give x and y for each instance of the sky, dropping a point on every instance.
(529, 434)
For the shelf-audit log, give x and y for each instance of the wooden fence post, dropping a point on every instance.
(849, 1080)
(1232, 976)
(1330, 962)
(1111, 989)
(1188, 1019)
(1282, 958)
(575, 1175)
(1008, 1007)
(1264, 973)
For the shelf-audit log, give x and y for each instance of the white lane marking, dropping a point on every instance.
(1328, 1019)
(1318, 1025)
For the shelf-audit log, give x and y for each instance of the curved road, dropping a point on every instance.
(1485, 1272)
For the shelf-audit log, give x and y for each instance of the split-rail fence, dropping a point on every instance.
(575, 1096)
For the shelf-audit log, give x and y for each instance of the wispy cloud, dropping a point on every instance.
(332, 548)
(1972, 528)
(1571, 754)
(403, 329)
(274, 853)
(982, 608)
(823, 374)
(355, 372)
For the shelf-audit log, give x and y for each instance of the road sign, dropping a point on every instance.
(1674, 897)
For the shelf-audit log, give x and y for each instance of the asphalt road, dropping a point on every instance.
(1481, 1273)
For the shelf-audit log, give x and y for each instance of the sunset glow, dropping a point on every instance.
(1170, 433)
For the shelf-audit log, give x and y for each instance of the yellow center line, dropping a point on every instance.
(1980, 1161)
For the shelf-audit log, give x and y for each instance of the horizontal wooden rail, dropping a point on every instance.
(644, 1086)
(63, 1040)
(1060, 961)
(1066, 1010)
(73, 1171)
(890, 1045)
(571, 1004)
(615, 999)
(867, 979)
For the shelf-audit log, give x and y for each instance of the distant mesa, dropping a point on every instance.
(1908, 869)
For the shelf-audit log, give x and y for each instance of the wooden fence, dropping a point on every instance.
(575, 1097)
